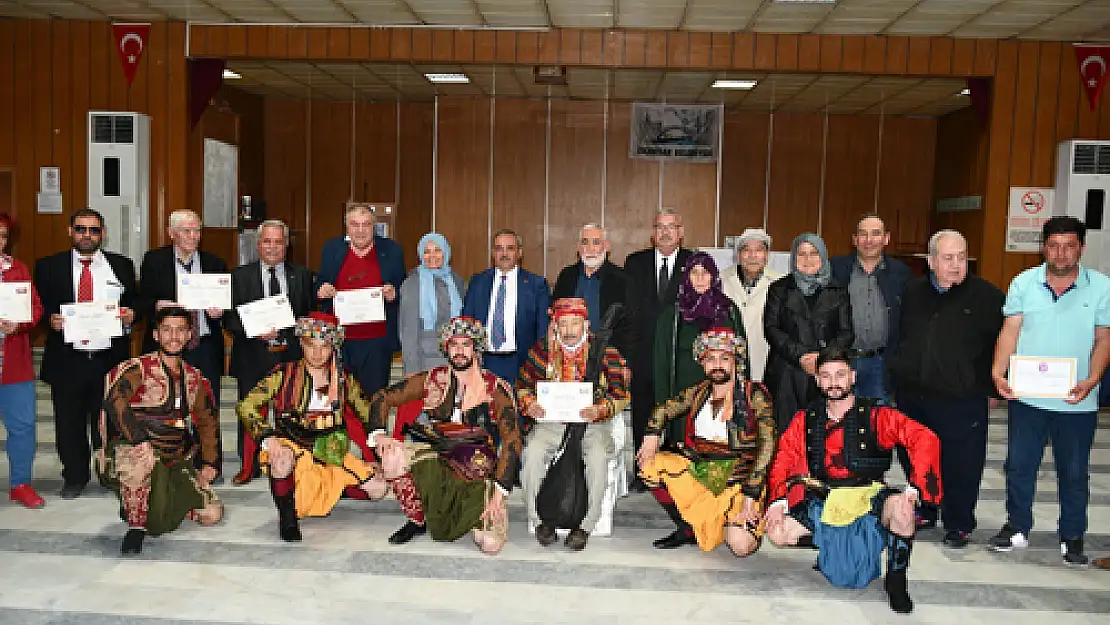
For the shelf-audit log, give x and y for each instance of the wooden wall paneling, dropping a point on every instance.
(414, 204)
(795, 184)
(920, 51)
(963, 57)
(157, 54)
(258, 42)
(177, 118)
(277, 42)
(1070, 97)
(1025, 109)
(138, 93)
(613, 47)
(851, 158)
(297, 43)
(655, 49)
(765, 51)
(996, 196)
(285, 181)
(691, 189)
(743, 51)
(906, 180)
(329, 157)
(443, 45)
(940, 56)
(506, 47)
(527, 47)
(570, 46)
(215, 42)
(787, 52)
(376, 152)
(1104, 121)
(519, 183)
(26, 175)
(678, 49)
(897, 54)
(485, 46)
(575, 188)
(339, 43)
(720, 53)
(743, 171)
(7, 94)
(1048, 95)
(117, 82)
(40, 121)
(237, 40)
(986, 57)
(832, 52)
(549, 47)
(462, 181)
(701, 50)
(593, 48)
(874, 54)
(960, 170)
(853, 51)
(809, 52)
(631, 188)
(422, 45)
(318, 44)
(252, 154)
(60, 131)
(400, 44)
(464, 46)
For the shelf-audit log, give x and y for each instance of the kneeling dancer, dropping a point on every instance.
(319, 408)
(158, 414)
(462, 455)
(720, 438)
(826, 482)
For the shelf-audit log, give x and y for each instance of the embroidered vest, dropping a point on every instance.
(863, 456)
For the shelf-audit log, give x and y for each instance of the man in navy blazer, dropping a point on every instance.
(525, 300)
(346, 263)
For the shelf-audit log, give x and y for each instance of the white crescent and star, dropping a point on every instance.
(131, 58)
(1102, 69)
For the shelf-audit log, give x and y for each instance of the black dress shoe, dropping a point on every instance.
(576, 539)
(407, 532)
(674, 540)
(289, 530)
(71, 491)
(133, 541)
(638, 486)
(545, 534)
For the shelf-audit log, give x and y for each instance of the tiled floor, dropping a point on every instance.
(62, 565)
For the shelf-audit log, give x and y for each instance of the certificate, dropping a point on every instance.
(562, 401)
(15, 301)
(360, 305)
(90, 321)
(269, 313)
(201, 291)
(1042, 378)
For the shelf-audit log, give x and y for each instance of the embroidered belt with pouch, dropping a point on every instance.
(465, 448)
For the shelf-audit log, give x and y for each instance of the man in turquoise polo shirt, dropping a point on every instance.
(1057, 309)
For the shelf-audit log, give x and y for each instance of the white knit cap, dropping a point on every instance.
(754, 234)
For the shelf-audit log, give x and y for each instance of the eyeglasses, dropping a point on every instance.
(87, 229)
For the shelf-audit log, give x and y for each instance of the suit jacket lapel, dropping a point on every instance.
(68, 266)
(521, 284)
(293, 284)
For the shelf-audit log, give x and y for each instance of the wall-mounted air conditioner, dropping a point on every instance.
(119, 179)
(1082, 187)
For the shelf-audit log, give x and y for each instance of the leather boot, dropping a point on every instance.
(407, 532)
(683, 535)
(288, 528)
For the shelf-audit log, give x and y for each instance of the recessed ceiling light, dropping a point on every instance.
(965, 92)
(457, 79)
(733, 84)
(232, 75)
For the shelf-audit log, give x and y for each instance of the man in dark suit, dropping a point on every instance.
(253, 358)
(602, 284)
(655, 273)
(75, 372)
(347, 263)
(512, 303)
(158, 289)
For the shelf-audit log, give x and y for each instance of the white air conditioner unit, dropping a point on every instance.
(1082, 187)
(119, 179)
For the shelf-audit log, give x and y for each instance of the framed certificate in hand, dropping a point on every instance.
(1042, 377)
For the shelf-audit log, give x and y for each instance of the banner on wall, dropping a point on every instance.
(130, 42)
(1029, 208)
(1093, 61)
(675, 132)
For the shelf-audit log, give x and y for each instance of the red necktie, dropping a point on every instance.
(85, 284)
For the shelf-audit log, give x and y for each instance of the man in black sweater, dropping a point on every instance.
(942, 371)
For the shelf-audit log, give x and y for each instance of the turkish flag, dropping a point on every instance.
(130, 43)
(1093, 62)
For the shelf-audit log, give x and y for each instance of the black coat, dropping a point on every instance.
(251, 359)
(641, 271)
(948, 344)
(159, 282)
(616, 288)
(54, 282)
(795, 327)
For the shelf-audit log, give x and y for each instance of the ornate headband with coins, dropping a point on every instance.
(466, 327)
(569, 306)
(723, 339)
(320, 325)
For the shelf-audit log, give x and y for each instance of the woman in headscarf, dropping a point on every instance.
(806, 311)
(702, 304)
(431, 296)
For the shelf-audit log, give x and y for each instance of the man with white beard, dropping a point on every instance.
(602, 284)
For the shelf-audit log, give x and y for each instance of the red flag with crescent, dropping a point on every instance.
(130, 43)
(1093, 64)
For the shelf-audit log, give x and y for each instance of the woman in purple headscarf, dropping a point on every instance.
(701, 305)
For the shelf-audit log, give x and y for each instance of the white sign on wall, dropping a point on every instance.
(1029, 208)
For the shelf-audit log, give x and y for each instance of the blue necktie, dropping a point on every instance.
(497, 332)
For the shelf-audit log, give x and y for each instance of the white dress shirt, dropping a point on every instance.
(106, 287)
(671, 260)
(708, 425)
(202, 318)
(510, 310)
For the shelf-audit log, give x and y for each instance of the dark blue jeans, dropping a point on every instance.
(17, 411)
(871, 378)
(1072, 435)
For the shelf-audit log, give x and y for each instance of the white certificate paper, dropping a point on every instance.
(562, 401)
(15, 301)
(90, 321)
(201, 291)
(269, 313)
(1042, 378)
(360, 305)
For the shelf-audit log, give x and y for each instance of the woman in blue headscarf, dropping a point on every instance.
(806, 311)
(431, 296)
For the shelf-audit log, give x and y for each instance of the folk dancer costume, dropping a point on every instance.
(830, 475)
(317, 425)
(453, 458)
(146, 403)
(713, 465)
(555, 362)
